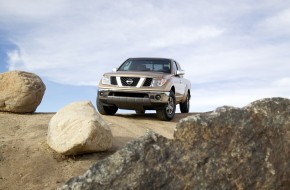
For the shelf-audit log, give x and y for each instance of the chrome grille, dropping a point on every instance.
(129, 81)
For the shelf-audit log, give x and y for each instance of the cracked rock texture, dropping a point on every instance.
(230, 148)
(20, 92)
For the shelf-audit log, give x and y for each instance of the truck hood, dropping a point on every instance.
(144, 74)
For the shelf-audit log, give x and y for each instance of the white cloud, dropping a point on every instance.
(283, 82)
(15, 60)
(30, 9)
(277, 24)
(237, 94)
(96, 36)
(224, 47)
(185, 36)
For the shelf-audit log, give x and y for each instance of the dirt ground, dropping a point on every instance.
(27, 162)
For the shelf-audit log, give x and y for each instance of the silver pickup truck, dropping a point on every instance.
(145, 84)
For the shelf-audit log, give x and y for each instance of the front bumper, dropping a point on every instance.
(140, 100)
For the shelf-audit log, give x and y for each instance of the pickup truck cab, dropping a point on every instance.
(145, 84)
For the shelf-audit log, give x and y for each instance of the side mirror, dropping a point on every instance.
(115, 69)
(180, 72)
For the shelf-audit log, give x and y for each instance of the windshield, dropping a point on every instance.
(155, 65)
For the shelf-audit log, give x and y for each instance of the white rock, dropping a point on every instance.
(20, 92)
(77, 128)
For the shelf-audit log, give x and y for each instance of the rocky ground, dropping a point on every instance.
(27, 162)
(230, 148)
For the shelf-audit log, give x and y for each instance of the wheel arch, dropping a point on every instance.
(185, 95)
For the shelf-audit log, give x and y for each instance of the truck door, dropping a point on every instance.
(178, 82)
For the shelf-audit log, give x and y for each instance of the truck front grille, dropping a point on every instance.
(129, 81)
(147, 82)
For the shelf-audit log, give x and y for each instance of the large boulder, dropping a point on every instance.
(77, 128)
(231, 148)
(20, 92)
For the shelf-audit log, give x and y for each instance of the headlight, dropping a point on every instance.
(106, 80)
(158, 82)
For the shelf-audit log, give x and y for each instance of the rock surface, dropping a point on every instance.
(20, 92)
(230, 148)
(77, 128)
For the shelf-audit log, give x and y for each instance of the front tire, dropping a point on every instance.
(184, 107)
(106, 110)
(167, 113)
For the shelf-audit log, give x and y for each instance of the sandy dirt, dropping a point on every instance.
(27, 162)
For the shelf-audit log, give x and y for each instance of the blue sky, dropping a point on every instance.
(233, 52)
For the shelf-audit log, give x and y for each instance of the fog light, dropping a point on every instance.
(158, 97)
(101, 93)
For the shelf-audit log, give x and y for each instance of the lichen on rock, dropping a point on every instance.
(230, 148)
